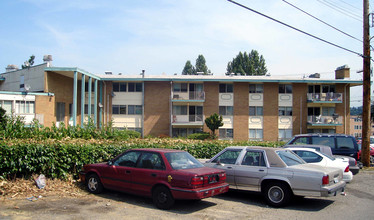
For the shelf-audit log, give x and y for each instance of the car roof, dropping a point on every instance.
(322, 134)
(160, 150)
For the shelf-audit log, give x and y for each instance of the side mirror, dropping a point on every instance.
(110, 163)
(219, 162)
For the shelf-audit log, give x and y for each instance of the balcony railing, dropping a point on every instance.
(195, 95)
(329, 97)
(188, 119)
(325, 120)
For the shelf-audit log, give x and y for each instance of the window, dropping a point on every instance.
(344, 143)
(226, 133)
(285, 88)
(226, 110)
(284, 134)
(328, 88)
(256, 111)
(179, 110)
(328, 141)
(150, 160)
(92, 87)
(289, 157)
(119, 110)
(256, 88)
(226, 88)
(119, 87)
(255, 134)
(134, 87)
(285, 111)
(182, 160)
(328, 111)
(253, 158)
(314, 111)
(180, 87)
(228, 157)
(309, 157)
(86, 109)
(314, 89)
(135, 110)
(7, 106)
(128, 159)
(60, 111)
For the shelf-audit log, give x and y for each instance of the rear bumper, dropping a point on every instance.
(199, 193)
(333, 190)
(354, 169)
(347, 176)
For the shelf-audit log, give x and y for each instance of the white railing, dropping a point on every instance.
(325, 120)
(325, 97)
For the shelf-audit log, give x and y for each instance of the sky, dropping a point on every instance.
(159, 36)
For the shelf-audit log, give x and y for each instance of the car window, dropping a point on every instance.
(150, 160)
(128, 159)
(326, 141)
(300, 141)
(344, 143)
(228, 157)
(289, 158)
(309, 157)
(253, 158)
(182, 160)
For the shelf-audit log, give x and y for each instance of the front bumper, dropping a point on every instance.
(199, 193)
(333, 190)
(82, 176)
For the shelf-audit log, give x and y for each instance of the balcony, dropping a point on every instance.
(187, 120)
(194, 96)
(325, 97)
(320, 120)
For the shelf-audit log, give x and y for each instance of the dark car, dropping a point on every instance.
(163, 174)
(340, 144)
(371, 151)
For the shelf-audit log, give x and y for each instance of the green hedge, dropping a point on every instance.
(62, 158)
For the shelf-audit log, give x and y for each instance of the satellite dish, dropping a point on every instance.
(27, 87)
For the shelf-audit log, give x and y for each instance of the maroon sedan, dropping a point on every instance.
(163, 174)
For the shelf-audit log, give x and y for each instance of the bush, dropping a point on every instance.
(199, 136)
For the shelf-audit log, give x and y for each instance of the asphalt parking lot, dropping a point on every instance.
(357, 204)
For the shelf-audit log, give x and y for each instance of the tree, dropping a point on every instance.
(29, 62)
(3, 119)
(213, 122)
(251, 64)
(200, 67)
(188, 69)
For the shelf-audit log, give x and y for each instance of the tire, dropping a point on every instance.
(94, 184)
(162, 197)
(372, 159)
(277, 194)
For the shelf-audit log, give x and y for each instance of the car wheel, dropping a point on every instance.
(162, 197)
(371, 159)
(277, 194)
(94, 184)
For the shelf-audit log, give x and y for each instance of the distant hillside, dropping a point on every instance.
(356, 110)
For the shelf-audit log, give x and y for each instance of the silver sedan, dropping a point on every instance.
(276, 172)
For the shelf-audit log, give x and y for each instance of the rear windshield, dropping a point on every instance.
(182, 160)
(344, 143)
(289, 157)
(327, 141)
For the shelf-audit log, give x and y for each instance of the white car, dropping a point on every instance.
(310, 155)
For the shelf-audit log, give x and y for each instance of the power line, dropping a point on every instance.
(358, 9)
(287, 25)
(336, 8)
(322, 21)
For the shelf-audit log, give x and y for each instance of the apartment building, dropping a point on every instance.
(356, 126)
(268, 108)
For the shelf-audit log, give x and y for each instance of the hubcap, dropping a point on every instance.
(275, 194)
(92, 184)
(162, 197)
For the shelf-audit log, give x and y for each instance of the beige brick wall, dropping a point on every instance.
(343, 109)
(241, 111)
(45, 105)
(270, 111)
(211, 101)
(157, 108)
(299, 108)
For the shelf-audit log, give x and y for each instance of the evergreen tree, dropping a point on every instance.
(188, 69)
(213, 122)
(29, 62)
(200, 65)
(251, 64)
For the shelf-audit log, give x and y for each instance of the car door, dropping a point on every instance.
(119, 174)
(250, 171)
(149, 170)
(227, 161)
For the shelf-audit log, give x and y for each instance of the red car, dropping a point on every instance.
(163, 174)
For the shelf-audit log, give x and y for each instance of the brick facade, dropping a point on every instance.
(270, 111)
(241, 111)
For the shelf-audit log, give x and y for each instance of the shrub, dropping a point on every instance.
(199, 136)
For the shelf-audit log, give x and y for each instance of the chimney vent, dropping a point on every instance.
(11, 67)
(342, 72)
(48, 60)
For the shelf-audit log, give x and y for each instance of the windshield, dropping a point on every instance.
(182, 160)
(289, 157)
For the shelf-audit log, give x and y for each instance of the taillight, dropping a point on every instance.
(325, 180)
(223, 177)
(197, 181)
(346, 169)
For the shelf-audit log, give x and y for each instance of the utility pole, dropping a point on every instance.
(365, 153)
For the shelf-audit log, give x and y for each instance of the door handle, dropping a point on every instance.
(229, 167)
(262, 170)
(153, 174)
(128, 171)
